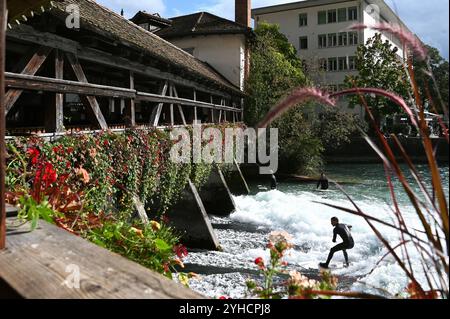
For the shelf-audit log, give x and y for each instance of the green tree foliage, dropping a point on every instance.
(275, 71)
(440, 69)
(379, 66)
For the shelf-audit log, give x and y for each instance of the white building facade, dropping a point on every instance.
(319, 31)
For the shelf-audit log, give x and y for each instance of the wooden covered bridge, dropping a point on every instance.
(108, 73)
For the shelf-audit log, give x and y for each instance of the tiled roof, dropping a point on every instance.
(201, 23)
(96, 17)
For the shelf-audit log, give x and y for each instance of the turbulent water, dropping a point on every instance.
(297, 209)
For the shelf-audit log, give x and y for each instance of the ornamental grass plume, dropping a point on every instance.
(430, 241)
(407, 38)
(298, 96)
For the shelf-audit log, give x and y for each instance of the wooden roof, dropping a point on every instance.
(99, 19)
(17, 9)
(143, 17)
(201, 23)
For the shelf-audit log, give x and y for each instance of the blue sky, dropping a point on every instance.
(429, 19)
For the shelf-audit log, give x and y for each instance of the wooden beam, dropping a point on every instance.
(79, 73)
(172, 115)
(30, 69)
(26, 33)
(36, 266)
(130, 105)
(180, 109)
(142, 96)
(59, 74)
(212, 110)
(164, 89)
(195, 108)
(37, 83)
(3, 22)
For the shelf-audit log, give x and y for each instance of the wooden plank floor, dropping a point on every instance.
(35, 264)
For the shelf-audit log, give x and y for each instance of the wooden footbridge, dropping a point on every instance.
(107, 74)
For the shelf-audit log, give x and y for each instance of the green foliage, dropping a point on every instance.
(379, 66)
(85, 184)
(335, 128)
(32, 211)
(440, 70)
(275, 69)
(146, 245)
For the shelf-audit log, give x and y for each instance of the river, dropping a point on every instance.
(294, 208)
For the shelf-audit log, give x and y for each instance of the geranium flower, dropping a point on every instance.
(34, 155)
(180, 251)
(260, 262)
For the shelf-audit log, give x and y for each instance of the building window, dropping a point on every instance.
(332, 16)
(332, 64)
(332, 40)
(342, 64)
(303, 43)
(352, 63)
(322, 64)
(342, 15)
(342, 39)
(322, 40)
(303, 19)
(322, 17)
(352, 13)
(353, 38)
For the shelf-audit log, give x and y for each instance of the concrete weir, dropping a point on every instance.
(189, 217)
(216, 195)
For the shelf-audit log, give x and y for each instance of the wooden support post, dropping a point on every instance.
(59, 74)
(130, 107)
(157, 112)
(180, 109)
(111, 105)
(3, 21)
(212, 110)
(30, 69)
(172, 114)
(195, 108)
(79, 73)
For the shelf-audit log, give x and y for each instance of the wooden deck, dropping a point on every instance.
(34, 266)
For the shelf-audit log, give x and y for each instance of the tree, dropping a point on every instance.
(379, 66)
(274, 71)
(439, 67)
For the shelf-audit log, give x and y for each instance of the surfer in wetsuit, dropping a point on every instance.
(273, 182)
(323, 182)
(348, 243)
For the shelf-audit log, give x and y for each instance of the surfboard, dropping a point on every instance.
(333, 267)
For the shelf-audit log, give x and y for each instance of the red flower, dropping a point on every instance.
(260, 262)
(180, 251)
(34, 154)
(70, 150)
(105, 143)
(50, 175)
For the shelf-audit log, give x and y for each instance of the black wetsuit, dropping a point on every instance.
(342, 231)
(323, 183)
(273, 183)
